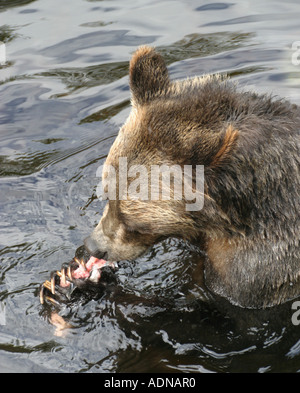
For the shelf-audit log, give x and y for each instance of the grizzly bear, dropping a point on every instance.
(249, 147)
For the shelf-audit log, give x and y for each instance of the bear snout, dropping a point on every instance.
(92, 248)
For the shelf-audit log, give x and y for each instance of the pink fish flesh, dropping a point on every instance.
(90, 271)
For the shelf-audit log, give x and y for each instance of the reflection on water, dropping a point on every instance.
(64, 95)
(200, 45)
(88, 76)
(4, 4)
(7, 33)
(106, 113)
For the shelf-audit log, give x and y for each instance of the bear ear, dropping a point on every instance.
(148, 75)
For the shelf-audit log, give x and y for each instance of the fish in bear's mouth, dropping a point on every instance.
(78, 273)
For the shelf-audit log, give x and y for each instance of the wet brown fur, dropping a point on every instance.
(249, 146)
(228, 143)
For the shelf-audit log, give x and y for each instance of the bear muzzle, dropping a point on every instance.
(92, 248)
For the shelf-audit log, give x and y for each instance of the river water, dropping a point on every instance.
(63, 96)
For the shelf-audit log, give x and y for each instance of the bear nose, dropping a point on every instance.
(92, 248)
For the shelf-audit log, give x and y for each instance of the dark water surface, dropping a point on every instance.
(63, 96)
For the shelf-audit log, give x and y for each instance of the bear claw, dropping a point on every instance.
(71, 276)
